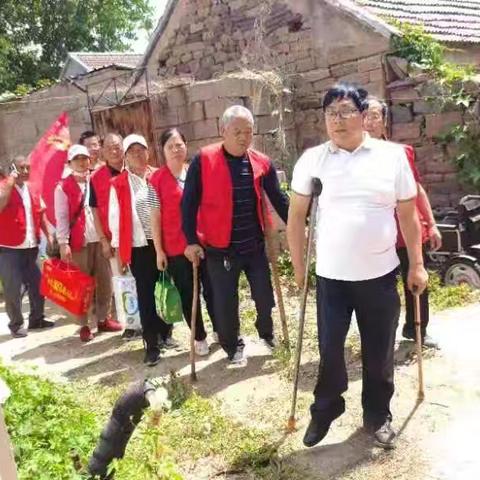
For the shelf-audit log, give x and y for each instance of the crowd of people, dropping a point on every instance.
(116, 213)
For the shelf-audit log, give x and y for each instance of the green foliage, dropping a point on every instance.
(443, 296)
(51, 431)
(466, 139)
(35, 36)
(428, 54)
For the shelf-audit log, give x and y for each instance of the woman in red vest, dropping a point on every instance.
(130, 226)
(166, 198)
(79, 242)
(376, 126)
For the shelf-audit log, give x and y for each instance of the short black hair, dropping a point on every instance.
(85, 135)
(346, 90)
(168, 134)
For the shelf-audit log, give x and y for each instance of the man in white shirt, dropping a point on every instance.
(21, 219)
(363, 180)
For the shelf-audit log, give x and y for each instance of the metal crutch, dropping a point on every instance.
(316, 191)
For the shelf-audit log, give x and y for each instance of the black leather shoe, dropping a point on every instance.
(385, 436)
(41, 324)
(320, 423)
(316, 431)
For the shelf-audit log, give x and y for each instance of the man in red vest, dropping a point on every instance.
(90, 140)
(112, 154)
(21, 219)
(223, 189)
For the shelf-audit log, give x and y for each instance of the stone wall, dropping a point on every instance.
(22, 123)
(196, 108)
(418, 118)
(205, 38)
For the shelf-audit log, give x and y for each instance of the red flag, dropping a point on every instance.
(47, 161)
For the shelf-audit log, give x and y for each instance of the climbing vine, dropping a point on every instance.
(455, 89)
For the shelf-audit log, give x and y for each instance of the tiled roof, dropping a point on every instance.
(95, 60)
(447, 20)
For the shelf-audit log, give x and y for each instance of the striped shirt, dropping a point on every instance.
(246, 236)
(140, 189)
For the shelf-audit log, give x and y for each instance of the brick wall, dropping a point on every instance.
(196, 109)
(418, 120)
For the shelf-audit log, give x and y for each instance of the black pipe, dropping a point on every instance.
(126, 415)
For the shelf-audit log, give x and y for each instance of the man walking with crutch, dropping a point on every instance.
(223, 191)
(356, 258)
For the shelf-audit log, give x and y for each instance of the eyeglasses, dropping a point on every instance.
(374, 117)
(331, 113)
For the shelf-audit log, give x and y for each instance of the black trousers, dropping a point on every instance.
(409, 304)
(181, 271)
(144, 269)
(224, 273)
(19, 267)
(377, 308)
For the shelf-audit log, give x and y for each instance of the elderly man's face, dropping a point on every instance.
(374, 122)
(343, 121)
(93, 146)
(237, 136)
(22, 165)
(112, 151)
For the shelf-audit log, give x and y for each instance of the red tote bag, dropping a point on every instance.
(67, 286)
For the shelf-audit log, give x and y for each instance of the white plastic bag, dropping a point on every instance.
(126, 301)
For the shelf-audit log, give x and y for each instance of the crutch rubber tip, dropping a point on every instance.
(193, 377)
(291, 425)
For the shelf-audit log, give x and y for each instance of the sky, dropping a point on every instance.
(141, 44)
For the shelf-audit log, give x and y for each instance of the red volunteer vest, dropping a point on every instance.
(125, 234)
(170, 196)
(13, 222)
(410, 152)
(74, 195)
(216, 206)
(100, 182)
(125, 226)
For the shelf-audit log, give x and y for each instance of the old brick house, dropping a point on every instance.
(308, 44)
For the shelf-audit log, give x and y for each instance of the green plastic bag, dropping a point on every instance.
(167, 300)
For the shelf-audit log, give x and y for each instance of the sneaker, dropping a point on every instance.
(128, 334)
(429, 342)
(270, 343)
(201, 348)
(238, 359)
(20, 333)
(385, 436)
(170, 343)
(86, 334)
(41, 324)
(215, 339)
(152, 357)
(110, 325)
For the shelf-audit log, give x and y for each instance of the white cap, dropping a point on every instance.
(76, 150)
(131, 139)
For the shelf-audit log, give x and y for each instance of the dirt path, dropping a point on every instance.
(436, 441)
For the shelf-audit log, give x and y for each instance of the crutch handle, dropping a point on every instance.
(317, 187)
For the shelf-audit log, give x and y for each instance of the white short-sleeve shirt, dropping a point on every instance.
(356, 231)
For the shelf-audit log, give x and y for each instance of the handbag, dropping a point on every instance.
(53, 249)
(67, 286)
(126, 301)
(168, 302)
